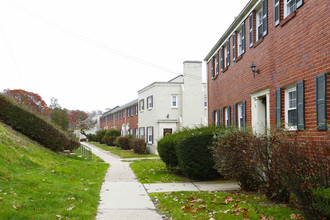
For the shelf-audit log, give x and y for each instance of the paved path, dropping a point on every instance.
(122, 196)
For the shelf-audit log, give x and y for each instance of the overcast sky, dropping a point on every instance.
(96, 54)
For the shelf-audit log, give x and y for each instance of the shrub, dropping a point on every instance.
(100, 135)
(306, 173)
(91, 137)
(138, 145)
(235, 157)
(123, 142)
(113, 133)
(322, 201)
(35, 127)
(195, 155)
(166, 150)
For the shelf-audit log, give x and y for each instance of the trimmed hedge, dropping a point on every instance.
(138, 145)
(166, 150)
(195, 155)
(35, 127)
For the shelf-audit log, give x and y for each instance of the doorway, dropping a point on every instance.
(260, 112)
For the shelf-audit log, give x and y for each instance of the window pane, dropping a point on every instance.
(292, 99)
(292, 117)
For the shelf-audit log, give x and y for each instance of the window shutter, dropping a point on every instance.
(244, 114)
(152, 102)
(235, 115)
(321, 102)
(234, 46)
(218, 117)
(243, 37)
(221, 59)
(211, 70)
(217, 64)
(229, 116)
(264, 17)
(299, 3)
(251, 29)
(300, 105)
(278, 106)
(277, 11)
(152, 135)
(213, 118)
(222, 117)
(228, 53)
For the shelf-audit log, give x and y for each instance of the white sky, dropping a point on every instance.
(81, 51)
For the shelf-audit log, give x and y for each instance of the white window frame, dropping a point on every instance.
(128, 112)
(288, 90)
(286, 7)
(136, 132)
(226, 116)
(176, 97)
(239, 43)
(225, 49)
(132, 109)
(259, 21)
(142, 133)
(205, 101)
(136, 109)
(150, 102)
(150, 135)
(216, 118)
(239, 114)
(142, 105)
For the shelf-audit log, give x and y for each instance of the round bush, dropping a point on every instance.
(138, 145)
(195, 155)
(123, 142)
(166, 150)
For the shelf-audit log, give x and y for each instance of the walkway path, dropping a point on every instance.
(123, 197)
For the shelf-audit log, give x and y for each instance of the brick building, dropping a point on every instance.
(123, 118)
(287, 44)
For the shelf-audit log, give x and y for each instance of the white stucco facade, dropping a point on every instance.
(170, 106)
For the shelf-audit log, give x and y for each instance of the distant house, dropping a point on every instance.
(123, 118)
(165, 107)
(270, 69)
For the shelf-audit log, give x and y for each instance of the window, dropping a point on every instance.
(142, 133)
(150, 135)
(240, 114)
(234, 46)
(259, 25)
(289, 7)
(174, 101)
(227, 116)
(205, 101)
(128, 114)
(132, 109)
(216, 120)
(277, 12)
(150, 102)
(136, 109)
(291, 108)
(142, 105)
(137, 132)
(227, 57)
(216, 63)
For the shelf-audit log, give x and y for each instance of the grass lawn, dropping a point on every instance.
(220, 205)
(36, 183)
(120, 152)
(154, 171)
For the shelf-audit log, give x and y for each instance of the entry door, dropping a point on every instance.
(260, 111)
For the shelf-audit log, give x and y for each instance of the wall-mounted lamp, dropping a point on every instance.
(253, 68)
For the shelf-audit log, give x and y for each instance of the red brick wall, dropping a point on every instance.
(298, 50)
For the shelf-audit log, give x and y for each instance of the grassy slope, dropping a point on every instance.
(38, 183)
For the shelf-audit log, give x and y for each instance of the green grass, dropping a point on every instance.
(36, 183)
(220, 205)
(154, 171)
(120, 152)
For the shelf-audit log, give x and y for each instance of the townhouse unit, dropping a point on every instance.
(123, 118)
(165, 107)
(270, 69)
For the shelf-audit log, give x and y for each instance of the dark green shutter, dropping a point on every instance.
(221, 59)
(229, 116)
(222, 117)
(244, 114)
(321, 101)
(300, 105)
(213, 118)
(299, 3)
(243, 37)
(251, 29)
(277, 11)
(278, 108)
(264, 17)
(235, 115)
(228, 53)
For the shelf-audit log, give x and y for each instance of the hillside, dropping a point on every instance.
(37, 183)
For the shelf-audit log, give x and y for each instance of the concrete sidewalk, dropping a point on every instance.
(123, 197)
